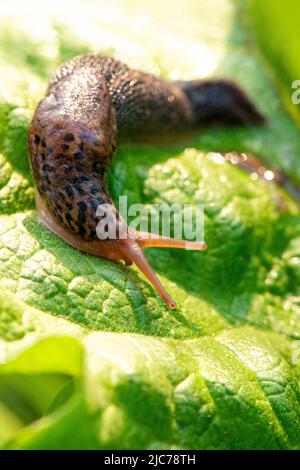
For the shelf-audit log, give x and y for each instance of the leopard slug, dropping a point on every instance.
(90, 102)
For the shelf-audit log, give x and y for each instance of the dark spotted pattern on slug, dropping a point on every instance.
(72, 140)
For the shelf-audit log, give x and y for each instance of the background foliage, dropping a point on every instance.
(91, 357)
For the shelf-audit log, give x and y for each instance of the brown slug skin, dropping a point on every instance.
(90, 102)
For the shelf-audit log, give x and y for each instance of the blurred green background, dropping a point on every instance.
(90, 357)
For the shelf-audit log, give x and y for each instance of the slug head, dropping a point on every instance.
(129, 249)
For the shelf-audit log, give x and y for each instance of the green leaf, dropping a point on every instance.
(90, 357)
(274, 15)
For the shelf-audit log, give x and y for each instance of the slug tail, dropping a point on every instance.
(220, 100)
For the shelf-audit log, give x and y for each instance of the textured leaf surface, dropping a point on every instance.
(91, 357)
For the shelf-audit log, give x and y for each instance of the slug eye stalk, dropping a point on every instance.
(133, 249)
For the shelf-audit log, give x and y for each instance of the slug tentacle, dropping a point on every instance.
(90, 102)
(149, 240)
(134, 250)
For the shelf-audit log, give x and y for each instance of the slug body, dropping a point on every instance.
(91, 101)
